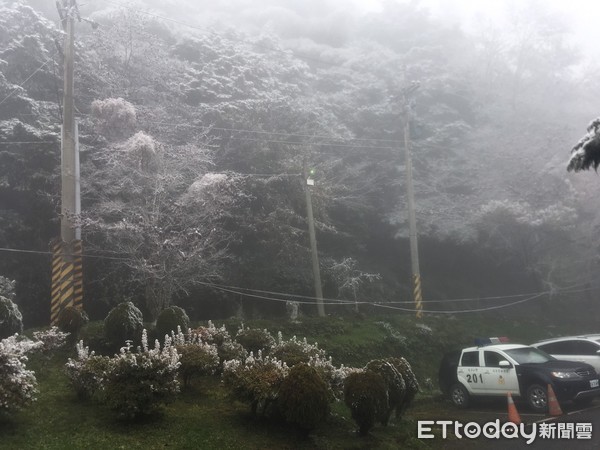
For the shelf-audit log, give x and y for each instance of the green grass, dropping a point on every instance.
(203, 417)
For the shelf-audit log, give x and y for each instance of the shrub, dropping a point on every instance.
(255, 381)
(87, 372)
(212, 334)
(255, 340)
(72, 320)
(138, 383)
(226, 348)
(18, 385)
(169, 319)
(231, 350)
(304, 397)
(11, 320)
(197, 358)
(123, 323)
(394, 385)
(412, 385)
(365, 394)
(51, 339)
(113, 117)
(294, 352)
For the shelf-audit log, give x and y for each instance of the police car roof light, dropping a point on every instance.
(482, 342)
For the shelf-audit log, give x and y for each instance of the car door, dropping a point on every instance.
(499, 375)
(469, 371)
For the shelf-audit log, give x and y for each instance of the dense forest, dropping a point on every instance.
(195, 129)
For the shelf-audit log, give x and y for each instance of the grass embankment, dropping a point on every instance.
(203, 417)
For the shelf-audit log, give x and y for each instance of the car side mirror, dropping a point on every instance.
(504, 363)
(597, 352)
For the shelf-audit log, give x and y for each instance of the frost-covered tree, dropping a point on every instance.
(586, 153)
(162, 212)
(527, 236)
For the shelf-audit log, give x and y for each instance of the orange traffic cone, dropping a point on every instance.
(553, 406)
(513, 414)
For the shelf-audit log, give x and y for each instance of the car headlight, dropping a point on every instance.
(560, 374)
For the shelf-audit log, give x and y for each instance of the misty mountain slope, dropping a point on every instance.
(201, 182)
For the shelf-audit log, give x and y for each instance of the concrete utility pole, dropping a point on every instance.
(412, 221)
(69, 167)
(309, 181)
(67, 278)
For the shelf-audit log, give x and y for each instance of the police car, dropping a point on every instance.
(495, 367)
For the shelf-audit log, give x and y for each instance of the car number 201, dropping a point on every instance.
(474, 378)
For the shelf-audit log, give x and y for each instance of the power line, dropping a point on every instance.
(464, 311)
(238, 289)
(40, 252)
(29, 142)
(310, 300)
(28, 78)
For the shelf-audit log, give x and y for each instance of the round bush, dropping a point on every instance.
(169, 319)
(71, 320)
(11, 320)
(412, 385)
(123, 323)
(196, 360)
(394, 383)
(294, 351)
(254, 340)
(304, 397)
(366, 396)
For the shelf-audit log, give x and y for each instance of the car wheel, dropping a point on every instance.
(459, 395)
(537, 397)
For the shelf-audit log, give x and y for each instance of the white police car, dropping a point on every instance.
(493, 368)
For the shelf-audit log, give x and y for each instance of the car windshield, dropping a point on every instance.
(526, 355)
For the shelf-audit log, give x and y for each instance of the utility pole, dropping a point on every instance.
(309, 181)
(412, 221)
(67, 260)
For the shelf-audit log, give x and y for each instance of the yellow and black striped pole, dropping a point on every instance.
(77, 274)
(56, 272)
(67, 279)
(417, 295)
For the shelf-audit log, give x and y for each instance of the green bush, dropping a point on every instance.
(304, 397)
(123, 323)
(256, 381)
(18, 386)
(138, 383)
(366, 396)
(410, 380)
(11, 320)
(131, 384)
(196, 359)
(294, 351)
(169, 319)
(87, 372)
(71, 320)
(394, 385)
(254, 340)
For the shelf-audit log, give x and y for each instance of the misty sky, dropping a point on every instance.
(581, 15)
(291, 16)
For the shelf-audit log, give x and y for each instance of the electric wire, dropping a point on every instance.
(308, 300)
(26, 80)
